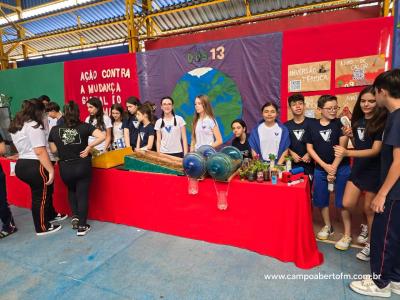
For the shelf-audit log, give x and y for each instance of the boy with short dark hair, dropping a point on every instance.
(323, 134)
(385, 235)
(54, 114)
(298, 127)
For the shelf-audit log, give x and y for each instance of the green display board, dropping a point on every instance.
(32, 82)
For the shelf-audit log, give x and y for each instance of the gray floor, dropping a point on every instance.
(120, 262)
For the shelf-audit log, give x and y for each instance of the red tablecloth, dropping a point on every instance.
(273, 220)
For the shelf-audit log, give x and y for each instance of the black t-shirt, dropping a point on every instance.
(132, 124)
(144, 133)
(71, 142)
(60, 121)
(297, 133)
(323, 138)
(244, 148)
(363, 141)
(391, 139)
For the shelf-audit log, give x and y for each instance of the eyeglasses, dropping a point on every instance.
(336, 108)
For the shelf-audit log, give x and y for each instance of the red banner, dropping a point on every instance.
(111, 78)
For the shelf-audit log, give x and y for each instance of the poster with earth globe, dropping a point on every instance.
(238, 76)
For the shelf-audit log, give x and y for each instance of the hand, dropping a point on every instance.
(306, 158)
(347, 131)
(378, 203)
(330, 169)
(296, 157)
(340, 151)
(331, 178)
(85, 152)
(51, 178)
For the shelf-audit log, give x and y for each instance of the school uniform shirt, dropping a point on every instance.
(391, 139)
(204, 132)
(144, 133)
(363, 141)
(244, 148)
(71, 142)
(323, 138)
(118, 131)
(270, 138)
(107, 123)
(171, 135)
(132, 124)
(297, 133)
(60, 121)
(28, 138)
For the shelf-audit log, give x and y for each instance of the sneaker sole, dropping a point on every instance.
(396, 291)
(372, 294)
(325, 238)
(83, 233)
(58, 220)
(342, 248)
(363, 258)
(48, 232)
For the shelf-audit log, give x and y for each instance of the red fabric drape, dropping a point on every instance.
(273, 220)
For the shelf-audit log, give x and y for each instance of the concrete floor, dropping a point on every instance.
(121, 262)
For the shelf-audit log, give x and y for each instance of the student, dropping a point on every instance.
(117, 118)
(322, 135)
(5, 212)
(131, 124)
(34, 165)
(270, 137)
(54, 115)
(70, 141)
(298, 127)
(99, 120)
(368, 122)
(241, 140)
(171, 130)
(146, 134)
(44, 99)
(385, 235)
(205, 130)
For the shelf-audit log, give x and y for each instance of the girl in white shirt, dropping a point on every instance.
(99, 120)
(171, 130)
(117, 113)
(34, 166)
(205, 129)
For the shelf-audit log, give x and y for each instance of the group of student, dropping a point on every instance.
(320, 146)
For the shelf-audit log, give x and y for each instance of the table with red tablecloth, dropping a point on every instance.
(273, 220)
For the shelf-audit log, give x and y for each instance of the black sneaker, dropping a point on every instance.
(53, 228)
(58, 218)
(6, 231)
(74, 223)
(82, 230)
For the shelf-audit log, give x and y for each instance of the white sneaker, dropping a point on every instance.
(369, 288)
(363, 237)
(325, 232)
(344, 243)
(52, 229)
(395, 286)
(364, 253)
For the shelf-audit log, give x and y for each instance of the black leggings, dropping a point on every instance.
(77, 175)
(5, 213)
(35, 175)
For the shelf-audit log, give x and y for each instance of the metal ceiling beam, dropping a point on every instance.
(3, 55)
(57, 13)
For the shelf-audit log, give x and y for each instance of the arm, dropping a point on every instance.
(137, 143)
(53, 147)
(295, 156)
(184, 140)
(374, 151)
(99, 139)
(317, 159)
(41, 153)
(150, 142)
(126, 137)
(393, 175)
(343, 141)
(282, 158)
(2, 148)
(108, 138)
(158, 144)
(192, 143)
(218, 137)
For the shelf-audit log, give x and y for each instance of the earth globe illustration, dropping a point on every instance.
(223, 94)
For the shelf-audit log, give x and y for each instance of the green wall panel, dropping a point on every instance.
(32, 82)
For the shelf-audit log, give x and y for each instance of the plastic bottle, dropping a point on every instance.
(331, 186)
